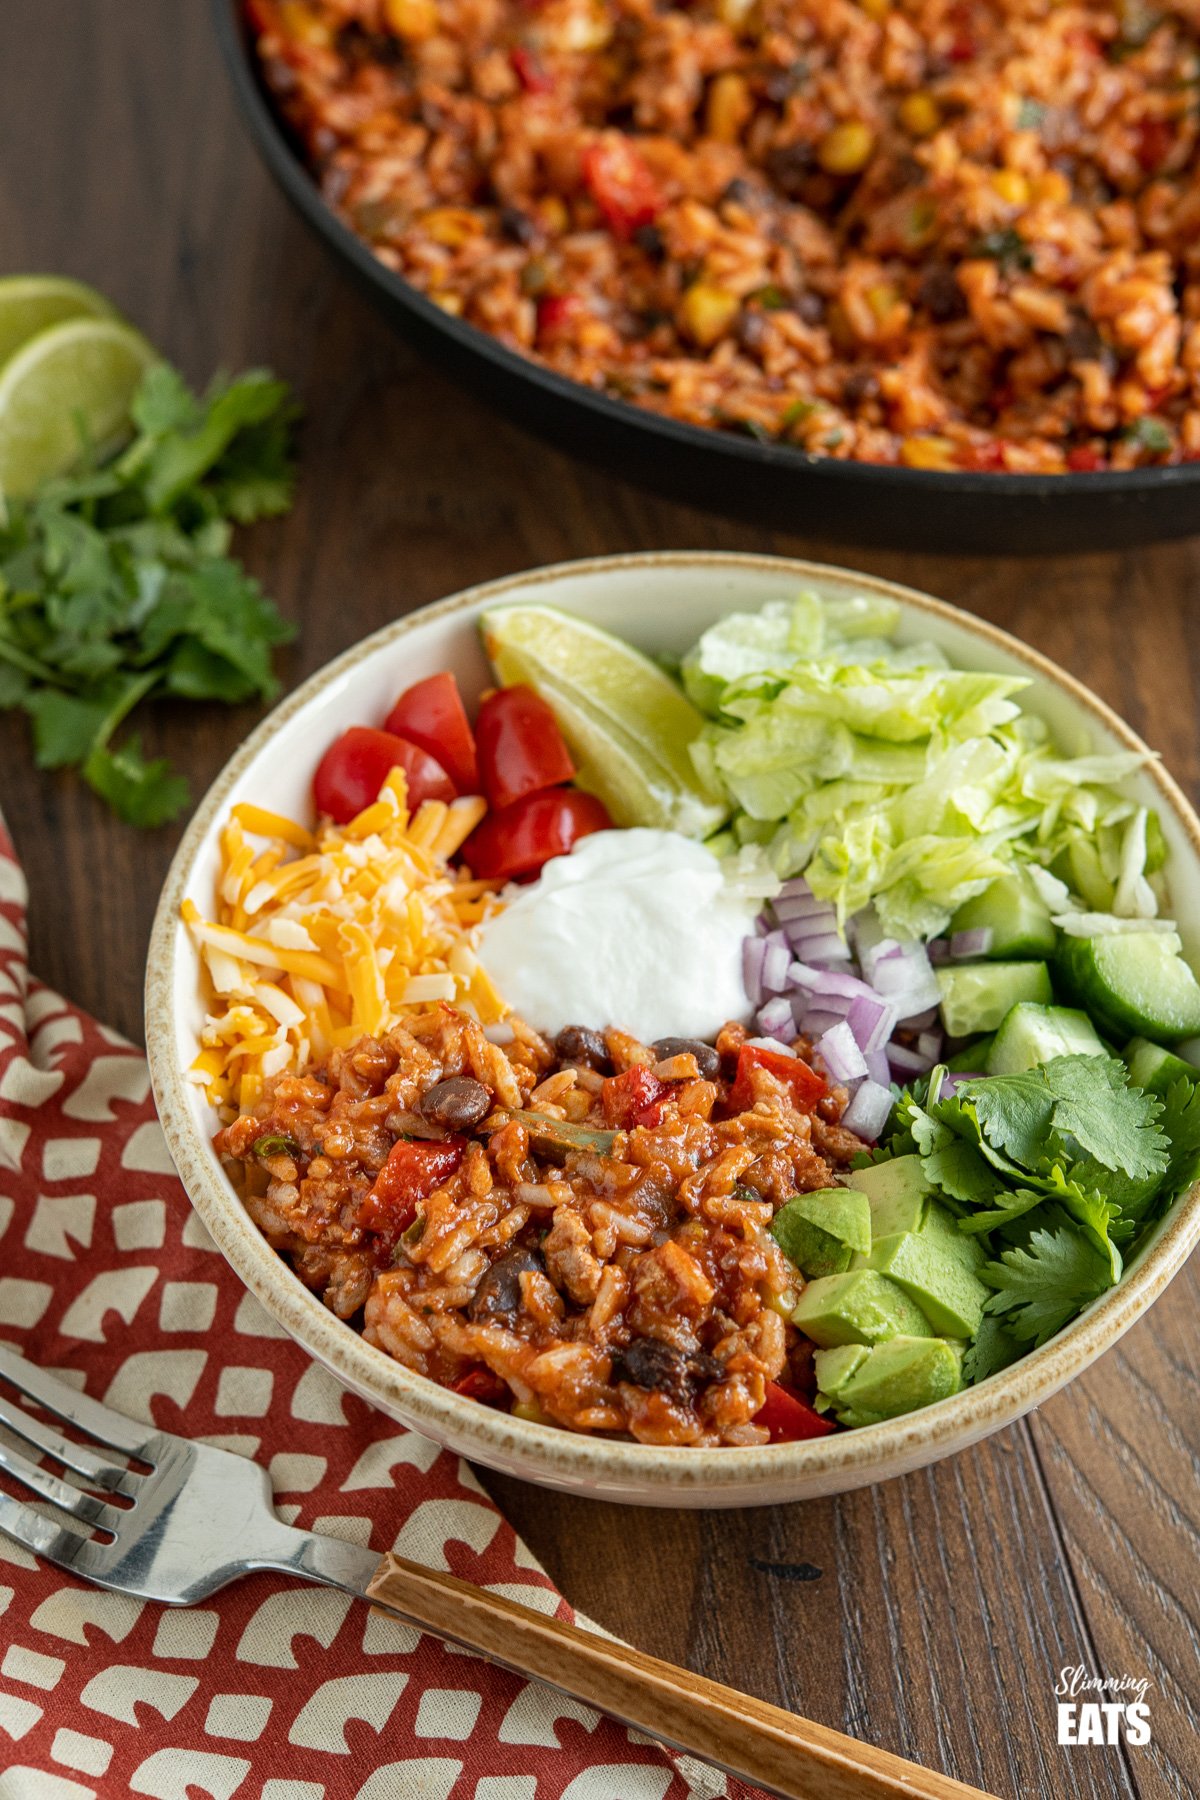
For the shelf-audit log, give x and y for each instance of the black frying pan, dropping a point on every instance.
(857, 503)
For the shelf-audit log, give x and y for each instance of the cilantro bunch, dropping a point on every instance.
(116, 584)
(1059, 1171)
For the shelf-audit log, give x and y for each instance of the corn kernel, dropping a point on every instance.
(1011, 186)
(451, 226)
(304, 26)
(846, 149)
(729, 106)
(449, 301)
(881, 299)
(876, 9)
(413, 19)
(529, 1409)
(928, 453)
(1052, 186)
(707, 311)
(553, 215)
(920, 114)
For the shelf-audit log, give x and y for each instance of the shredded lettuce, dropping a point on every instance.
(885, 776)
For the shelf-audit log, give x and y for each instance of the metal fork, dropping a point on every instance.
(191, 1519)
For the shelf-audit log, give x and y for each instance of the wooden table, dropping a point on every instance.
(931, 1615)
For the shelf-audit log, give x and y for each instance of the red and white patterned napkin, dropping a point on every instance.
(270, 1690)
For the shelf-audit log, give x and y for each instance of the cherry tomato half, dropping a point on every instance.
(789, 1419)
(620, 183)
(415, 1168)
(431, 715)
(356, 765)
(519, 838)
(521, 749)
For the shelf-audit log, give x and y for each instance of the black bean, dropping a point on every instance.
(940, 294)
(458, 1103)
(860, 385)
(651, 242)
(811, 308)
(517, 226)
(660, 1368)
(499, 1290)
(750, 329)
(790, 166)
(1081, 340)
(579, 1044)
(707, 1060)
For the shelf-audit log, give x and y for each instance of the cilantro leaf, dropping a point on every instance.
(994, 1349)
(140, 792)
(1096, 1109)
(1180, 1121)
(960, 1170)
(1041, 1286)
(116, 583)
(1017, 1203)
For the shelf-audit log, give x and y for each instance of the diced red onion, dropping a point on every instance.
(929, 1043)
(795, 888)
(754, 954)
(841, 1055)
(971, 943)
(816, 1022)
(770, 1043)
(825, 982)
(872, 1020)
(953, 1080)
(776, 962)
(908, 1062)
(801, 906)
(821, 946)
(775, 1019)
(877, 1067)
(836, 1005)
(938, 950)
(868, 1111)
(919, 1021)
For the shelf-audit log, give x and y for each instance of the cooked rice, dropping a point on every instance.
(940, 233)
(631, 1288)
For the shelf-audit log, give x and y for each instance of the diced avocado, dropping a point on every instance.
(931, 1270)
(972, 1058)
(1133, 982)
(1020, 924)
(897, 1192)
(889, 1379)
(859, 1307)
(976, 996)
(819, 1232)
(1155, 1069)
(1031, 1034)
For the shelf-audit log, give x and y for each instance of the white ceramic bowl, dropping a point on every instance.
(661, 602)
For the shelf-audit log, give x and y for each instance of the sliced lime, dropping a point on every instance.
(31, 303)
(627, 723)
(67, 389)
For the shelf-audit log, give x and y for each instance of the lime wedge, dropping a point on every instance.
(68, 388)
(627, 723)
(31, 303)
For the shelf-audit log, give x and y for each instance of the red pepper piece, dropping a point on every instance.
(415, 1168)
(633, 1098)
(789, 1419)
(806, 1085)
(619, 181)
(529, 71)
(482, 1383)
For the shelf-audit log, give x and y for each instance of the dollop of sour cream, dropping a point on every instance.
(640, 929)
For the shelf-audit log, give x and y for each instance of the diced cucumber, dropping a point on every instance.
(972, 1059)
(1010, 909)
(1133, 982)
(1032, 1034)
(1155, 1069)
(1080, 867)
(976, 996)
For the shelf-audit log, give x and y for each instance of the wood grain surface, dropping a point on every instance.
(931, 1615)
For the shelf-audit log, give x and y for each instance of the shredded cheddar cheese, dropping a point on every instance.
(321, 937)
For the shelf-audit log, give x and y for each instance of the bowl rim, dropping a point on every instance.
(276, 147)
(867, 1453)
